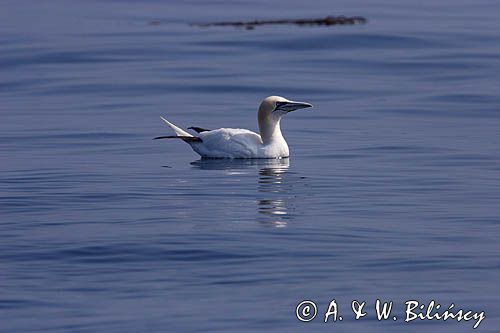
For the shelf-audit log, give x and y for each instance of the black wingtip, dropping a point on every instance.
(184, 138)
(199, 129)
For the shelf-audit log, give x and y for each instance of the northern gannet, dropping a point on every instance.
(242, 143)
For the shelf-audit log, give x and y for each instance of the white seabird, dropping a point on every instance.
(242, 143)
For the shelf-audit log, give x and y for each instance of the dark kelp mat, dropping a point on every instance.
(327, 21)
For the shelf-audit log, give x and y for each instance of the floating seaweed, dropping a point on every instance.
(327, 21)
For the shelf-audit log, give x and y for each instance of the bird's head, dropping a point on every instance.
(274, 107)
(271, 110)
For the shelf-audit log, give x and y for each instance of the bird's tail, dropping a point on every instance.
(178, 131)
(179, 134)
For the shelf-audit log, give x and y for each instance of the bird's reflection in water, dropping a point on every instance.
(273, 207)
(273, 192)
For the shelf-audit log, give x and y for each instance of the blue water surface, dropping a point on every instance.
(392, 190)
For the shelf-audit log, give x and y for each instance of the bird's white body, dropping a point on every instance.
(238, 143)
(242, 143)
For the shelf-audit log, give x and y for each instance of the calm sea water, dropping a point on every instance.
(392, 190)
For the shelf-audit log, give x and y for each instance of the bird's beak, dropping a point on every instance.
(290, 106)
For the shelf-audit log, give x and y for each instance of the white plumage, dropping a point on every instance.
(242, 143)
